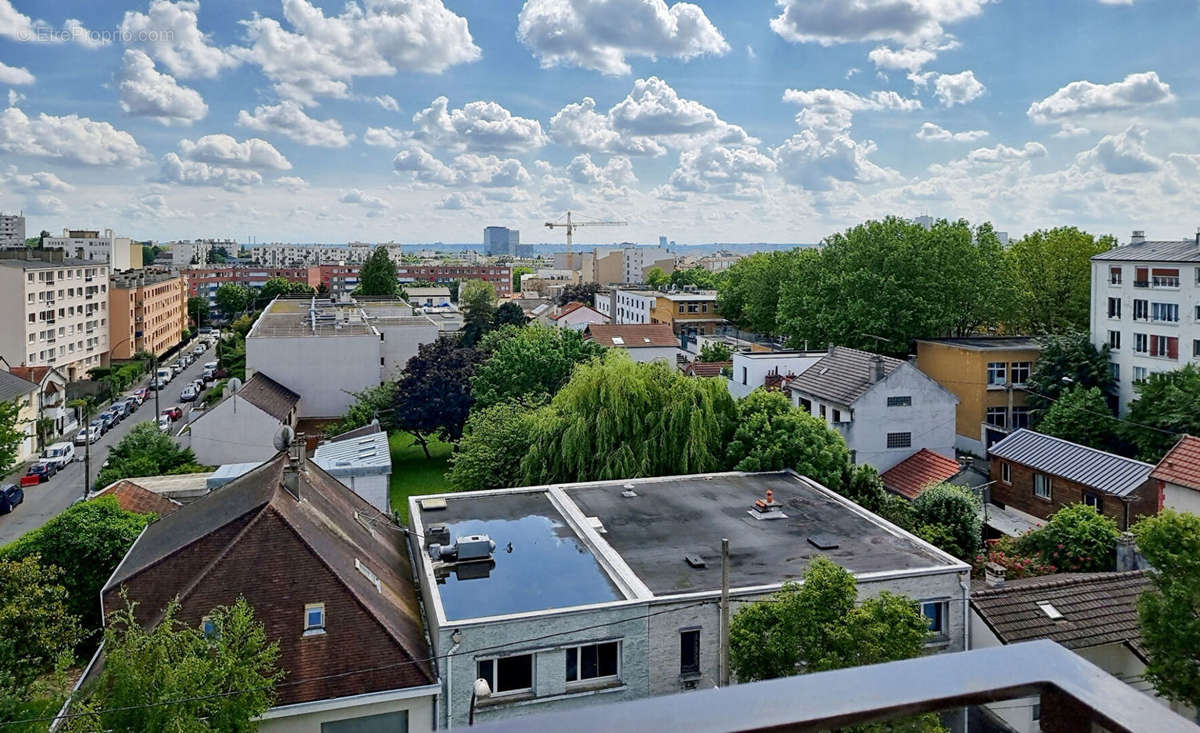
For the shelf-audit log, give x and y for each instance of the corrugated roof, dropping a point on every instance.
(1107, 472)
(360, 455)
(842, 376)
(632, 335)
(1181, 464)
(269, 396)
(918, 472)
(1096, 608)
(1177, 250)
(12, 386)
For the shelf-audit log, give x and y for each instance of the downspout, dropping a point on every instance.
(966, 589)
(450, 685)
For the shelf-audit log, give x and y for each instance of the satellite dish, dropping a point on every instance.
(234, 384)
(284, 438)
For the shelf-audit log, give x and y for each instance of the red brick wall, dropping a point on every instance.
(1019, 495)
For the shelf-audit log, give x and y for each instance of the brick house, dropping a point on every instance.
(1038, 474)
(327, 576)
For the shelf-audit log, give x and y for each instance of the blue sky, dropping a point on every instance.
(305, 120)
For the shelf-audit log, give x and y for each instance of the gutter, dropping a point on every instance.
(340, 703)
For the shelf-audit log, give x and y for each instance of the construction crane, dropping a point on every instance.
(570, 226)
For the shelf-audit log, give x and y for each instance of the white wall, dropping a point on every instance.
(420, 716)
(234, 431)
(324, 371)
(372, 488)
(749, 371)
(1181, 498)
(653, 353)
(401, 342)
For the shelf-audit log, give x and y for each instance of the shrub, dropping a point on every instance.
(955, 509)
(1077, 538)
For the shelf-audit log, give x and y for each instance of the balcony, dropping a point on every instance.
(1164, 281)
(1141, 283)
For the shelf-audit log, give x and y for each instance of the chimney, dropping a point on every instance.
(1198, 236)
(876, 373)
(1138, 237)
(993, 575)
(295, 463)
(1128, 557)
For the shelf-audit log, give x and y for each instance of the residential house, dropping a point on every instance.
(988, 375)
(1178, 476)
(885, 408)
(243, 426)
(25, 394)
(1092, 614)
(575, 316)
(1038, 474)
(330, 583)
(121, 253)
(626, 306)
(500, 276)
(643, 343)
(689, 314)
(606, 591)
(713, 369)
(909, 478)
(51, 399)
(1146, 307)
(427, 297)
(360, 459)
(754, 369)
(134, 498)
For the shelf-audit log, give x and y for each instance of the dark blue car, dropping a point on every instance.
(42, 470)
(10, 496)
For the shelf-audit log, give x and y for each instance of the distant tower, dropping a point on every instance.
(662, 240)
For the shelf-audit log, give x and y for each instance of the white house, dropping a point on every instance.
(751, 368)
(885, 408)
(1178, 476)
(242, 427)
(360, 459)
(626, 306)
(427, 297)
(644, 343)
(24, 393)
(575, 316)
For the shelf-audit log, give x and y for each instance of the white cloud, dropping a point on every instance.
(833, 109)
(960, 88)
(46, 204)
(322, 55)
(906, 22)
(1080, 98)
(815, 161)
(39, 181)
(906, 59)
(653, 109)
(366, 200)
(288, 119)
(580, 127)
(601, 34)
(454, 202)
(1005, 154)
(729, 172)
(489, 171)
(1070, 129)
(15, 75)
(197, 173)
(424, 166)
(169, 33)
(226, 150)
(1122, 153)
(292, 183)
(618, 171)
(145, 92)
(385, 137)
(15, 97)
(69, 138)
(930, 132)
(386, 101)
(20, 27)
(480, 126)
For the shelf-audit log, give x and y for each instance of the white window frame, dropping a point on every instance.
(994, 369)
(496, 672)
(1020, 366)
(941, 634)
(1049, 487)
(1006, 472)
(578, 649)
(311, 629)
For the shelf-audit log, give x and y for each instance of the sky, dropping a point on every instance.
(729, 121)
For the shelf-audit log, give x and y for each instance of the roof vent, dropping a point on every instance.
(695, 560)
(628, 493)
(1051, 612)
(767, 508)
(432, 504)
(823, 541)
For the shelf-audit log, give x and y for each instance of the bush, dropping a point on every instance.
(145, 451)
(1006, 553)
(956, 510)
(494, 441)
(1077, 539)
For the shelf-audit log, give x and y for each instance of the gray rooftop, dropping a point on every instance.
(1177, 250)
(1106, 472)
(12, 386)
(988, 342)
(356, 455)
(842, 376)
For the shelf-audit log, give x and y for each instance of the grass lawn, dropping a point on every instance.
(413, 473)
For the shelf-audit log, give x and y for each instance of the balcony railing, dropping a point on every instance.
(1141, 283)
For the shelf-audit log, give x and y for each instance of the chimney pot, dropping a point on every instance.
(1138, 237)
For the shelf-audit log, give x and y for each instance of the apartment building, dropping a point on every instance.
(204, 281)
(501, 241)
(500, 276)
(626, 306)
(1146, 307)
(121, 253)
(338, 280)
(56, 310)
(688, 314)
(195, 254)
(12, 230)
(147, 312)
(299, 255)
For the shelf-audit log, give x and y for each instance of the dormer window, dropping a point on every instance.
(314, 619)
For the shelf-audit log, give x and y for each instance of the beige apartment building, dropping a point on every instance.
(59, 311)
(147, 312)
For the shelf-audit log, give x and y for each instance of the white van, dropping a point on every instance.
(164, 375)
(60, 454)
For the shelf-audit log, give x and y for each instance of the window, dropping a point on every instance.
(1006, 472)
(1167, 346)
(743, 375)
(899, 440)
(1165, 277)
(1195, 347)
(507, 674)
(1114, 371)
(1141, 309)
(1020, 372)
(837, 415)
(314, 619)
(997, 417)
(906, 400)
(1139, 374)
(822, 411)
(996, 372)
(1114, 308)
(1114, 275)
(1114, 339)
(1141, 343)
(1094, 500)
(1041, 486)
(593, 661)
(1141, 277)
(1020, 417)
(935, 611)
(1164, 312)
(689, 652)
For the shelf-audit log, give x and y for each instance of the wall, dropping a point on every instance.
(234, 431)
(654, 353)
(420, 716)
(749, 372)
(374, 489)
(1018, 493)
(401, 342)
(324, 371)
(1181, 498)
(14, 328)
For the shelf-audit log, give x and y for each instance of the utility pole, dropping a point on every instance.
(87, 448)
(724, 667)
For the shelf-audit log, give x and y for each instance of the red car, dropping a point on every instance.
(173, 412)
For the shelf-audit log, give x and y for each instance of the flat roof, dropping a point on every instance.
(988, 342)
(293, 317)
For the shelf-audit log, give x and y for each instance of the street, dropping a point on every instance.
(47, 500)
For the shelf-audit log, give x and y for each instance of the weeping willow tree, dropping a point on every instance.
(620, 419)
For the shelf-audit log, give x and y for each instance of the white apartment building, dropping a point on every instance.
(295, 255)
(56, 311)
(193, 254)
(12, 230)
(637, 261)
(97, 246)
(626, 306)
(1146, 307)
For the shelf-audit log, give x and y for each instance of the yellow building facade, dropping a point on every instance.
(147, 312)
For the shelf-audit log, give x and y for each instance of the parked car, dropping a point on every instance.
(120, 410)
(174, 413)
(60, 454)
(10, 496)
(44, 470)
(204, 330)
(176, 368)
(164, 423)
(131, 405)
(164, 374)
(104, 421)
(140, 394)
(200, 348)
(210, 365)
(188, 394)
(89, 435)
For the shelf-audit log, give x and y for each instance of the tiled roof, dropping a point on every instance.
(12, 386)
(632, 335)
(33, 374)
(134, 498)
(1107, 472)
(842, 376)
(269, 396)
(571, 307)
(919, 471)
(1177, 250)
(706, 368)
(1181, 464)
(1096, 608)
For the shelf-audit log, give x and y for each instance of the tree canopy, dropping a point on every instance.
(532, 363)
(370, 404)
(146, 451)
(1076, 539)
(1168, 405)
(494, 441)
(579, 292)
(232, 299)
(749, 294)
(715, 351)
(656, 278)
(1081, 415)
(12, 434)
(509, 314)
(517, 272)
(1052, 274)
(1066, 360)
(948, 516)
(477, 301)
(198, 309)
(277, 286)
(377, 276)
(697, 277)
(772, 434)
(433, 394)
(38, 632)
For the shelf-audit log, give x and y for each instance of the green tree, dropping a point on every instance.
(1052, 274)
(494, 441)
(716, 351)
(1168, 405)
(197, 309)
(948, 516)
(378, 275)
(579, 292)
(697, 277)
(1167, 614)
(517, 272)
(862, 485)
(12, 433)
(433, 394)
(146, 451)
(150, 253)
(477, 300)
(509, 314)
(532, 363)
(87, 541)
(1077, 539)
(218, 256)
(619, 419)
(373, 403)
(232, 299)
(1081, 415)
(174, 677)
(656, 278)
(277, 286)
(772, 434)
(38, 632)
(819, 625)
(749, 294)
(1064, 360)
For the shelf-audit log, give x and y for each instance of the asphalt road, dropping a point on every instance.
(45, 501)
